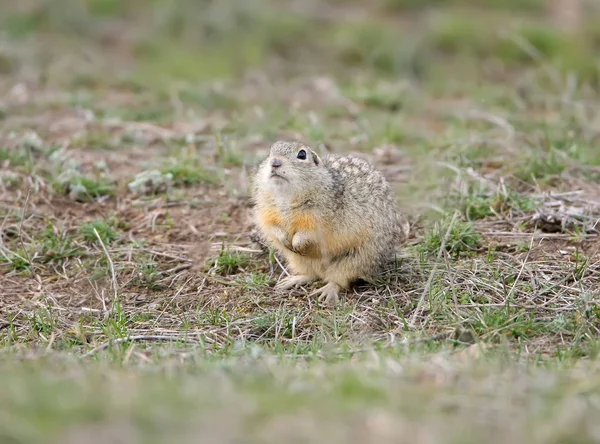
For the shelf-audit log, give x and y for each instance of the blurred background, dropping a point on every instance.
(406, 80)
(154, 44)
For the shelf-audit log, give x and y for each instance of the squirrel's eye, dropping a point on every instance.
(301, 155)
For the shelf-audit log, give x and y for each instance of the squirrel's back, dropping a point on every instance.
(364, 195)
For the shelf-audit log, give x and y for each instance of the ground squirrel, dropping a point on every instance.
(333, 218)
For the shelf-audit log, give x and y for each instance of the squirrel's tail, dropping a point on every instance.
(404, 229)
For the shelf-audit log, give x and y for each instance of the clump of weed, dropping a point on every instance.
(542, 166)
(25, 151)
(83, 188)
(71, 181)
(185, 174)
(150, 182)
(228, 262)
(105, 231)
(43, 322)
(148, 275)
(13, 157)
(15, 260)
(52, 246)
(457, 238)
(481, 206)
(254, 281)
(57, 246)
(274, 325)
(478, 207)
(493, 323)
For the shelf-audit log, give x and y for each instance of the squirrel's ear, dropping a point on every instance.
(316, 158)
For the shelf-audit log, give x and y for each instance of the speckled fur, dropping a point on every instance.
(333, 218)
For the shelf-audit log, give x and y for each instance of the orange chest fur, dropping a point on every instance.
(291, 223)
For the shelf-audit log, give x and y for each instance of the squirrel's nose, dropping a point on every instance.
(275, 163)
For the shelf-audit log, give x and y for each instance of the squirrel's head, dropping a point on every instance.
(291, 166)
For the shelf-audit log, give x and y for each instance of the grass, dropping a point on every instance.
(185, 175)
(228, 262)
(455, 238)
(98, 231)
(128, 137)
(196, 404)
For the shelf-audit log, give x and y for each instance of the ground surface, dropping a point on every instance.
(135, 308)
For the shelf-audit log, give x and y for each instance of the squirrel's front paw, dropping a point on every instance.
(282, 237)
(304, 244)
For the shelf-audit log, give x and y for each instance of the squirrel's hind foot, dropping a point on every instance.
(293, 282)
(328, 294)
